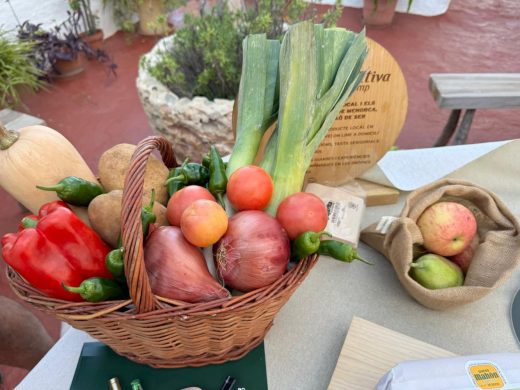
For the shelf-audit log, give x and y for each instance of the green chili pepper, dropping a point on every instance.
(306, 244)
(147, 218)
(217, 176)
(206, 160)
(97, 289)
(174, 186)
(190, 173)
(147, 215)
(340, 251)
(75, 191)
(115, 263)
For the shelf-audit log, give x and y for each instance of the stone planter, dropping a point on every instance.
(190, 124)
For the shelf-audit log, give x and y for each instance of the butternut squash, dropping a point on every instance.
(37, 155)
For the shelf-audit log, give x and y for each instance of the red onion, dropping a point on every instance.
(253, 253)
(177, 270)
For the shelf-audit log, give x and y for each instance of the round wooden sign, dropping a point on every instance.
(367, 126)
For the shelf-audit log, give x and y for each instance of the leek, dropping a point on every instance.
(318, 70)
(257, 98)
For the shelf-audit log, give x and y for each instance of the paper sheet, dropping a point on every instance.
(481, 164)
(371, 350)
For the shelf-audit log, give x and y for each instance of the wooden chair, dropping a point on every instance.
(471, 91)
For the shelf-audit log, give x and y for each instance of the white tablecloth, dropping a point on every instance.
(304, 344)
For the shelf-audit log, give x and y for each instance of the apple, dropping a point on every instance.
(463, 259)
(447, 228)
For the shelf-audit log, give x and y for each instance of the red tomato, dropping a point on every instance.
(182, 199)
(249, 188)
(302, 212)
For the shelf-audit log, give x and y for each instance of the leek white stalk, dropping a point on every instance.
(257, 98)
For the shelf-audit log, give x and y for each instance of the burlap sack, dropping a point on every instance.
(495, 259)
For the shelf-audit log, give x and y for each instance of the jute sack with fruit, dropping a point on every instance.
(453, 243)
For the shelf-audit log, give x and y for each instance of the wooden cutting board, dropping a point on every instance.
(368, 125)
(371, 350)
(377, 194)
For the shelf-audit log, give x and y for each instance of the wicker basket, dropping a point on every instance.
(160, 332)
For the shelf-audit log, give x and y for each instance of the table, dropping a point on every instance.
(303, 346)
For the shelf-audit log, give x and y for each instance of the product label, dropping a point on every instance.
(384, 224)
(487, 375)
(345, 211)
(367, 125)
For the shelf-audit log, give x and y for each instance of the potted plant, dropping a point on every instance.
(55, 54)
(188, 81)
(152, 14)
(90, 34)
(17, 71)
(60, 52)
(380, 13)
(124, 13)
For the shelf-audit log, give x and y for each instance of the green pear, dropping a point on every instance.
(434, 271)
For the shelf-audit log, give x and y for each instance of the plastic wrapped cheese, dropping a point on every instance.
(494, 371)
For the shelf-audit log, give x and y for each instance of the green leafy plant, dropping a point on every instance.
(124, 11)
(206, 57)
(16, 70)
(83, 9)
(59, 43)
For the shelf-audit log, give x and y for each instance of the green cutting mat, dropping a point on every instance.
(98, 363)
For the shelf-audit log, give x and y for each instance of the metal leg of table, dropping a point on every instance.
(462, 133)
(449, 129)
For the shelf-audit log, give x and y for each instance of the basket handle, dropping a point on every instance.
(131, 226)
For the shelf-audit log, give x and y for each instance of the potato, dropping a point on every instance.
(104, 213)
(113, 167)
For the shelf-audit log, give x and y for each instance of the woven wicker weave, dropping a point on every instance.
(161, 332)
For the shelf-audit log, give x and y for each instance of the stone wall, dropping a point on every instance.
(190, 124)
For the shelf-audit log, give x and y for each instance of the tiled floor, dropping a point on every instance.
(96, 112)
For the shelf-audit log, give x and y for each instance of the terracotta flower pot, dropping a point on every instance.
(149, 13)
(95, 41)
(380, 15)
(70, 68)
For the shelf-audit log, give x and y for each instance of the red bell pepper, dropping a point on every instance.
(56, 247)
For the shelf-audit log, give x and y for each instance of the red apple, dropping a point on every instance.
(447, 228)
(463, 259)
